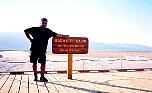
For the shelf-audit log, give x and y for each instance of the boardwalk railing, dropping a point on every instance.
(16, 61)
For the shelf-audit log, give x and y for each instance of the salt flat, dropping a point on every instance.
(94, 60)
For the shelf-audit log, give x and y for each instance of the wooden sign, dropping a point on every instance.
(70, 45)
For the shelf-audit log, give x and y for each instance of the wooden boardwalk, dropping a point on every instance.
(109, 82)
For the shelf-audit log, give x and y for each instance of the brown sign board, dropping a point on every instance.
(70, 45)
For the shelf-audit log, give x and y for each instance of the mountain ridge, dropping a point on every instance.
(18, 41)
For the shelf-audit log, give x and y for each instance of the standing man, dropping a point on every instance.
(39, 37)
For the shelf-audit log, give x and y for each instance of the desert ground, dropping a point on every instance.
(94, 60)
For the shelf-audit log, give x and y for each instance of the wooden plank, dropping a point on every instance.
(82, 87)
(70, 82)
(77, 85)
(102, 80)
(60, 88)
(131, 82)
(16, 84)
(8, 84)
(1, 75)
(92, 81)
(3, 80)
(42, 87)
(65, 83)
(33, 88)
(24, 84)
(91, 86)
(51, 87)
(115, 84)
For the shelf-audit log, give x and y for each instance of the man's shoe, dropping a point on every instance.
(35, 79)
(43, 79)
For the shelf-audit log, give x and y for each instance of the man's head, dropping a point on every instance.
(44, 22)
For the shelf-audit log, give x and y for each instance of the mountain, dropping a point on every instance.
(118, 47)
(13, 41)
(18, 41)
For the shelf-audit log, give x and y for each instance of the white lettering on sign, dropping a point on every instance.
(70, 40)
(72, 45)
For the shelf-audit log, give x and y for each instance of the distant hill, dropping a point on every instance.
(18, 41)
(13, 41)
(119, 47)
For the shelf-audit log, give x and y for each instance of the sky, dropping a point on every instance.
(106, 21)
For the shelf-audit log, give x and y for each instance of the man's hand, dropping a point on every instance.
(28, 36)
(58, 35)
(63, 36)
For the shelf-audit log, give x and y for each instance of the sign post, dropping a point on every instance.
(70, 56)
(70, 46)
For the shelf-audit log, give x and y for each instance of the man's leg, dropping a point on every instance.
(35, 71)
(42, 69)
(33, 59)
(42, 60)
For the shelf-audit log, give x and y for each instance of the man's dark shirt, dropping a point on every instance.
(40, 38)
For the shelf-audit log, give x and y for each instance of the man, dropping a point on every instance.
(39, 37)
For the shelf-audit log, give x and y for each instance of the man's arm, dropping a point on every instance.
(27, 33)
(54, 34)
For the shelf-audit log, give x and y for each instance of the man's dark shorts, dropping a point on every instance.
(39, 57)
